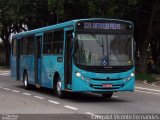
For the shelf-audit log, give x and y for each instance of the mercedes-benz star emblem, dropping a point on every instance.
(107, 78)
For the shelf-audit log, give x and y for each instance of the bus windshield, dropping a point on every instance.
(104, 50)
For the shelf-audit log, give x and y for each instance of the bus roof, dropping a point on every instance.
(60, 25)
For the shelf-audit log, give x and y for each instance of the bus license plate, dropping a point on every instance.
(107, 85)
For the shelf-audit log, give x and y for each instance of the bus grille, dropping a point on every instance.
(97, 86)
(110, 79)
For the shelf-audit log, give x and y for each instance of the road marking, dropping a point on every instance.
(5, 71)
(114, 96)
(70, 107)
(147, 92)
(54, 102)
(141, 88)
(39, 97)
(6, 89)
(4, 74)
(26, 94)
(15, 91)
(89, 113)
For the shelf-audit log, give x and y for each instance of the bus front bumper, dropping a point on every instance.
(103, 86)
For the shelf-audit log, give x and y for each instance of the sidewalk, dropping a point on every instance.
(141, 85)
(155, 84)
(156, 76)
(3, 70)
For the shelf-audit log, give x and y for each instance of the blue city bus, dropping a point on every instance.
(85, 55)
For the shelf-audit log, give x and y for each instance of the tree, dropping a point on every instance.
(5, 29)
(147, 21)
(39, 13)
(15, 14)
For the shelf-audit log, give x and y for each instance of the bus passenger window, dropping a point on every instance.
(53, 42)
(47, 49)
(61, 48)
(24, 46)
(58, 42)
(47, 42)
(31, 44)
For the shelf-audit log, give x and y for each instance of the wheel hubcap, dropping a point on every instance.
(25, 81)
(59, 87)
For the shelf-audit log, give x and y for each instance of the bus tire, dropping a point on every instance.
(58, 88)
(107, 95)
(25, 81)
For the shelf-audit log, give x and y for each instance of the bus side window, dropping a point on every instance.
(47, 42)
(49, 50)
(57, 42)
(61, 48)
(31, 44)
(53, 42)
(24, 46)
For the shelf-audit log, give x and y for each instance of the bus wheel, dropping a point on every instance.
(59, 91)
(107, 95)
(25, 81)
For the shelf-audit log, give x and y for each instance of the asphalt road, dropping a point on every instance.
(14, 99)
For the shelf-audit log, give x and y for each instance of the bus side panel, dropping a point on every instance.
(49, 67)
(30, 69)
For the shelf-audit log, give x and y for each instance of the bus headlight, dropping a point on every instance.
(132, 74)
(79, 75)
(129, 78)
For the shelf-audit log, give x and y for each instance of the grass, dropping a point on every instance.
(144, 76)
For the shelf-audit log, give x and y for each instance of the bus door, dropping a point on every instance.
(18, 59)
(15, 59)
(37, 60)
(68, 57)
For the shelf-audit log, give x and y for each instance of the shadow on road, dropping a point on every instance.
(75, 97)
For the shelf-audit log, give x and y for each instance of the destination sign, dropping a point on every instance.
(106, 26)
(103, 25)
